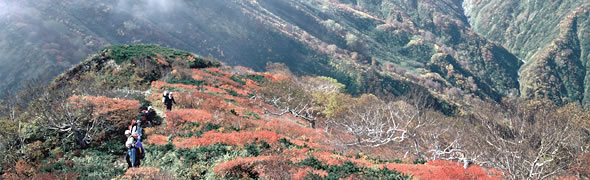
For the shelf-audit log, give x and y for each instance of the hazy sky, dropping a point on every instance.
(8, 7)
(143, 8)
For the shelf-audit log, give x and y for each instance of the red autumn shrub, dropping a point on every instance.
(234, 138)
(263, 167)
(160, 85)
(201, 74)
(157, 139)
(329, 158)
(119, 112)
(214, 103)
(187, 100)
(582, 166)
(218, 72)
(21, 170)
(301, 135)
(440, 170)
(301, 173)
(240, 166)
(251, 84)
(189, 115)
(279, 77)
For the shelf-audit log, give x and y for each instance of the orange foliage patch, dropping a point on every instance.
(157, 139)
(252, 84)
(234, 138)
(189, 115)
(279, 77)
(119, 112)
(162, 62)
(219, 72)
(190, 100)
(202, 74)
(266, 75)
(301, 135)
(161, 85)
(439, 169)
(242, 163)
(582, 166)
(197, 77)
(215, 103)
(301, 173)
(329, 158)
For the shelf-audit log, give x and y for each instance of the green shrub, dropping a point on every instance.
(312, 162)
(348, 169)
(203, 63)
(256, 147)
(238, 79)
(193, 163)
(232, 92)
(256, 78)
(122, 53)
(187, 82)
(112, 146)
(251, 114)
(93, 164)
(419, 161)
(288, 144)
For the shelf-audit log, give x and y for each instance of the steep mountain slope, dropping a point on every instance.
(216, 129)
(383, 47)
(550, 36)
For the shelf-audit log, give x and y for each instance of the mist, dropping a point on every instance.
(148, 8)
(52, 36)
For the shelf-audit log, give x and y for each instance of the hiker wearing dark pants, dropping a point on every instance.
(168, 100)
(149, 116)
(131, 149)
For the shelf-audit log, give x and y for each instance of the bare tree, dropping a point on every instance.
(525, 139)
(374, 123)
(287, 97)
(73, 119)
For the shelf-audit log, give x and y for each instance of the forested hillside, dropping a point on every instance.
(383, 47)
(551, 37)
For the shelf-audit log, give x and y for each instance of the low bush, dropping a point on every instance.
(122, 53)
(187, 82)
(93, 164)
(349, 170)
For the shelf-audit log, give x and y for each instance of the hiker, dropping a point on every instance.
(131, 144)
(136, 128)
(139, 153)
(167, 100)
(149, 115)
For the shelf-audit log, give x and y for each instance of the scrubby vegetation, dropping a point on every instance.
(236, 123)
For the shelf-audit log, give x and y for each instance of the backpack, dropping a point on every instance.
(140, 150)
(131, 127)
